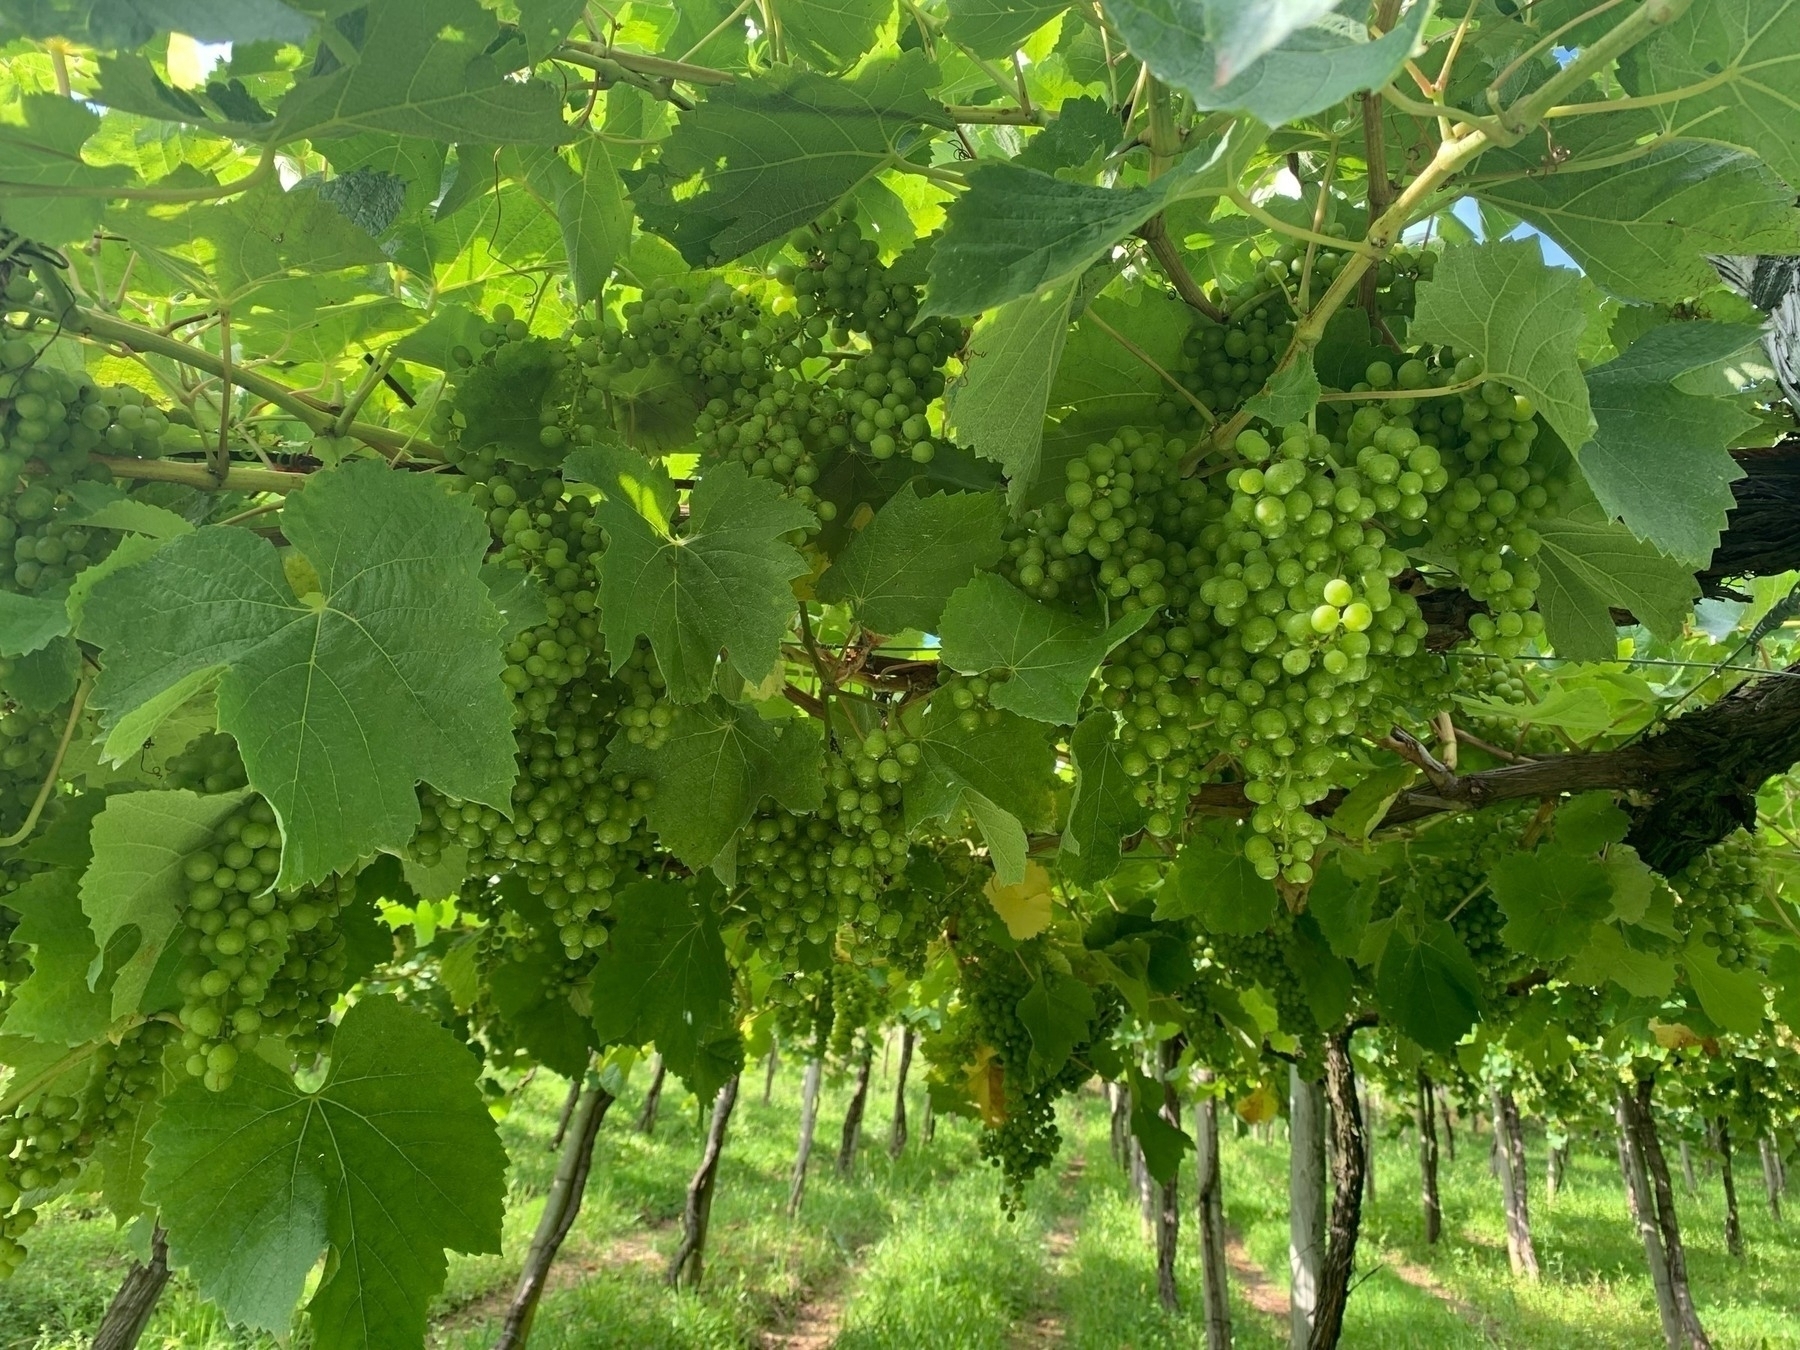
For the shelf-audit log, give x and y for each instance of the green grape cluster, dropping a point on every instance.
(209, 764)
(575, 834)
(27, 745)
(1262, 959)
(1446, 876)
(857, 1005)
(302, 991)
(237, 938)
(52, 425)
(1718, 894)
(805, 876)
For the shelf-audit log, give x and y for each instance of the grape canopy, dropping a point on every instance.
(541, 530)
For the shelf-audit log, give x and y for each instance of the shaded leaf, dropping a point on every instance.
(898, 571)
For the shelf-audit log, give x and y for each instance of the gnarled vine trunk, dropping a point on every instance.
(853, 1114)
(1509, 1156)
(1429, 1198)
(774, 1062)
(1209, 1219)
(1641, 1204)
(897, 1125)
(561, 1206)
(809, 1121)
(1773, 1181)
(1306, 1204)
(646, 1121)
(1348, 1155)
(1168, 1197)
(134, 1303)
(688, 1265)
(1639, 1109)
(1734, 1226)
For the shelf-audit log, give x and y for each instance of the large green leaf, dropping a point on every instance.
(1213, 882)
(717, 762)
(29, 623)
(590, 206)
(831, 35)
(41, 137)
(1009, 761)
(997, 407)
(1742, 60)
(230, 251)
(1643, 229)
(1427, 983)
(55, 1004)
(1042, 658)
(722, 584)
(531, 996)
(141, 840)
(998, 27)
(1658, 460)
(391, 1160)
(131, 23)
(1590, 566)
(423, 70)
(1732, 998)
(1314, 61)
(342, 699)
(1521, 317)
(898, 571)
(1056, 1011)
(771, 153)
(1552, 899)
(1016, 230)
(663, 977)
(1104, 809)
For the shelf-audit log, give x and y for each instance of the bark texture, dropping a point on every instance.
(897, 1125)
(809, 1121)
(1773, 1180)
(1429, 1198)
(1168, 1197)
(129, 1312)
(1656, 1169)
(1209, 1216)
(1642, 1206)
(1348, 1155)
(1515, 1187)
(561, 1206)
(853, 1114)
(1734, 1224)
(646, 1121)
(688, 1265)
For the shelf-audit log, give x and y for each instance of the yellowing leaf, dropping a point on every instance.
(1025, 907)
(1673, 1035)
(1259, 1107)
(987, 1087)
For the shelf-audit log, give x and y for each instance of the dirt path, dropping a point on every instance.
(1252, 1280)
(1422, 1279)
(1046, 1326)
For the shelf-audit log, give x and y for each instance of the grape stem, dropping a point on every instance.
(62, 749)
(239, 478)
(1155, 233)
(1150, 361)
(25, 1091)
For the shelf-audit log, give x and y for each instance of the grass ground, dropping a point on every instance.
(917, 1253)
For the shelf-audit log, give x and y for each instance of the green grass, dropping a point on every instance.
(919, 1254)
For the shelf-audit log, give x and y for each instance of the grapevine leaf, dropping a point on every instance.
(391, 1160)
(501, 402)
(718, 761)
(1104, 809)
(1366, 804)
(28, 623)
(723, 583)
(1161, 1143)
(132, 23)
(43, 680)
(1084, 131)
(517, 594)
(591, 210)
(1016, 231)
(231, 252)
(1588, 823)
(663, 977)
(1306, 70)
(1214, 882)
(141, 840)
(1342, 907)
(998, 27)
(1581, 710)
(772, 152)
(1609, 956)
(1732, 998)
(1658, 459)
(123, 1154)
(1427, 984)
(1289, 396)
(41, 137)
(1057, 1011)
(1024, 905)
(1008, 760)
(904, 564)
(1745, 59)
(1325, 976)
(341, 701)
(545, 23)
(425, 70)
(1242, 33)
(997, 406)
(1643, 229)
(1042, 659)
(1552, 899)
(529, 998)
(55, 1004)
(1784, 984)
(1521, 317)
(832, 34)
(1590, 565)
(1004, 836)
